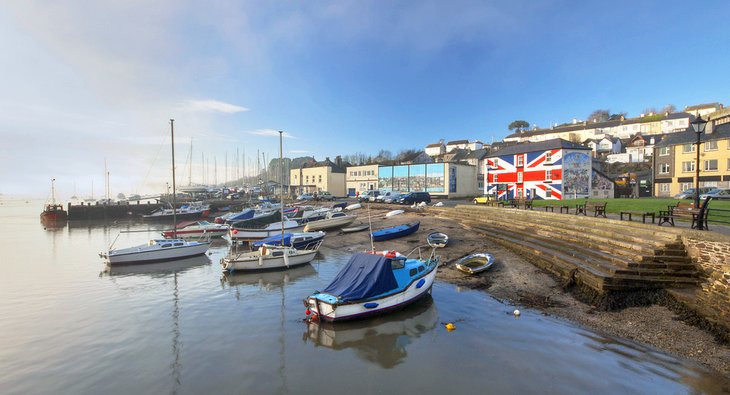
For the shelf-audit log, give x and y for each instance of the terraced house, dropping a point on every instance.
(676, 156)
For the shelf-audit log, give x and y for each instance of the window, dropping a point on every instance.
(320, 178)
(519, 177)
(685, 186)
(548, 192)
(711, 145)
(688, 148)
(520, 160)
(664, 168)
(549, 174)
(710, 165)
(494, 180)
(548, 157)
(519, 193)
(307, 179)
(496, 162)
(664, 151)
(688, 166)
(664, 187)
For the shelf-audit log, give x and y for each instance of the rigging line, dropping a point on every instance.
(154, 160)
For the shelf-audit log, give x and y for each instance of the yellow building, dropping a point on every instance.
(676, 156)
(319, 176)
(361, 178)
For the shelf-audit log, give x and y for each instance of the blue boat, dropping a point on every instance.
(300, 241)
(373, 284)
(395, 232)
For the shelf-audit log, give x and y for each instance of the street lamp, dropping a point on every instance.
(698, 125)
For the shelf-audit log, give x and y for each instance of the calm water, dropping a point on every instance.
(70, 326)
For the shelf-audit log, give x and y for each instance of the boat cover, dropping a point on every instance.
(364, 276)
(274, 240)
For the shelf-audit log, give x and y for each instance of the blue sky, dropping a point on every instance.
(86, 82)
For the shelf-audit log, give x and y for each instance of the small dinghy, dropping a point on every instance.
(475, 263)
(438, 239)
(353, 207)
(356, 228)
(393, 213)
(395, 231)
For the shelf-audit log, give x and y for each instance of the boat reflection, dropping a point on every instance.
(161, 268)
(381, 340)
(267, 280)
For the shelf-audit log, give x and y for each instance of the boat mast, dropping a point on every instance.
(53, 191)
(174, 202)
(281, 187)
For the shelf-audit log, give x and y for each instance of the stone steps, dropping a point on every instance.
(603, 254)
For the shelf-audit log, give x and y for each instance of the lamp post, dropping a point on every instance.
(698, 125)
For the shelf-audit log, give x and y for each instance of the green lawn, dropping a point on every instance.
(643, 204)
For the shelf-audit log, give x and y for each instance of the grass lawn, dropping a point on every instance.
(643, 204)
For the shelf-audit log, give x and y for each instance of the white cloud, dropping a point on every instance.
(269, 133)
(212, 106)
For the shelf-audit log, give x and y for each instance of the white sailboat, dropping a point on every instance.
(269, 257)
(163, 249)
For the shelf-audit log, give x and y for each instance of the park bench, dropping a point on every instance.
(598, 208)
(644, 215)
(517, 203)
(682, 210)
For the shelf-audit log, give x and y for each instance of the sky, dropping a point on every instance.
(89, 86)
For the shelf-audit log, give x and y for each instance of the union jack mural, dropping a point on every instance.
(531, 175)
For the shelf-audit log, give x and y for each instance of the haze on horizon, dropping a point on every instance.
(89, 82)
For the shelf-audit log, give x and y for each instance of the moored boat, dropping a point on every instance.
(263, 231)
(53, 212)
(156, 251)
(373, 284)
(268, 258)
(394, 232)
(475, 263)
(437, 239)
(356, 228)
(301, 240)
(196, 229)
(332, 220)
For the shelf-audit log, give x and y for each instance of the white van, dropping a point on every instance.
(388, 197)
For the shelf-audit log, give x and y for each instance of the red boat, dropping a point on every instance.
(53, 212)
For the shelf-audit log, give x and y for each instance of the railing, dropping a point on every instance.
(716, 215)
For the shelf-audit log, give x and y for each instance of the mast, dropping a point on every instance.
(281, 200)
(174, 194)
(190, 171)
(53, 191)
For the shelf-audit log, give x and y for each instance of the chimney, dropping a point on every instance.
(338, 161)
(575, 121)
(623, 118)
(641, 116)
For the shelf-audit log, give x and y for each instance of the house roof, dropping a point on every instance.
(458, 142)
(538, 146)
(599, 125)
(477, 154)
(328, 163)
(689, 136)
(435, 145)
(699, 106)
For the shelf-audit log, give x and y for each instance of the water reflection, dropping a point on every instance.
(267, 280)
(381, 340)
(160, 269)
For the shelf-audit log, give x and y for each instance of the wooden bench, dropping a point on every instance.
(682, 210)
(517, 203)
(566, 208)
(643, 214)
(598, 208)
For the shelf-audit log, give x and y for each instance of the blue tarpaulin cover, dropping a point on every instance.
(274, 240)
(364, 276)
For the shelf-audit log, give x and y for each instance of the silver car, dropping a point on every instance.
(717, 193)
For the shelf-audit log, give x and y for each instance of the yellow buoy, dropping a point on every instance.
(450, 327)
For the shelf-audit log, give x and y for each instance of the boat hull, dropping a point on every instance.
(196, 234)
(258, 234)
(389, 233)
(364, 309)
(131, 255)
(475, 263)
(330, 223)
(256, 262)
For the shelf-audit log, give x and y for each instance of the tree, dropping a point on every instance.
(599, 116)
(669, 108)
(617, 117)
(649, 110)
(518, 125)
(383, 155)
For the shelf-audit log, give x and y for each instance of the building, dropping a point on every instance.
(437, 149)
(457, 144)
(449, 180)
(675, 156)
(602, 186)
(703, 109)
(320, 176)
(361, 178)
(541, 170)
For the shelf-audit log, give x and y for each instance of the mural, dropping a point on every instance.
(452, 179)
(576, 174)
(413, 178)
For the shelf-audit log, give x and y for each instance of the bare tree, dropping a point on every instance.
(669, 108)
(599, 116)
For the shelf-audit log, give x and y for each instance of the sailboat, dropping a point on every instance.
(270, 257)
(157, 250)
(53, 212)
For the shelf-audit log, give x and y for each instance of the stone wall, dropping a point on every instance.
(711, 253)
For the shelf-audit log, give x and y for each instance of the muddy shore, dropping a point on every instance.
(516, 281)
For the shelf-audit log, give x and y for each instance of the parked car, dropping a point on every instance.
(690, 193)
(366, 195)
(305, 196)
(717, 193)
(415, 197)
(324, 195)
(388, 197)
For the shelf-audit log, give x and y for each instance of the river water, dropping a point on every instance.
(70, 325)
